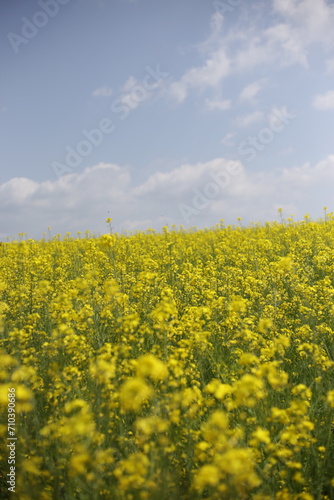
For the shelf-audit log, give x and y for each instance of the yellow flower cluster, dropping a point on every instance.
(182, 364)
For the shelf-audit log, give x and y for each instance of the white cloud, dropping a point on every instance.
(310, 20)
(279, 115)
(250, 91)
(210, 75)
(217, 104)
(245, 121)
(81, 201)
(294, 26)
(303, 23)
(103, 92)
(228, 141)
(129, 84)
(324, 101)
(179, 180)
(214, 40)
(134, 92)
(73, 202)
(254, 50)
(299, 190)
(330, 66)
(286, 46)
(287, 151)
(17, 191)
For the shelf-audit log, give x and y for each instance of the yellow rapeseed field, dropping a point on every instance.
(185, 364)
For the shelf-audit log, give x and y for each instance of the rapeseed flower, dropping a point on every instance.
(193, 362)
(150, 366)
(134, 393)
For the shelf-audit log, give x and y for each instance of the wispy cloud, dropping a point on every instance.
(134, 92)
(324, 101)
(330, 66)
(217, 104)
(279, 114)
(247, 120)
(213, 42)
(103, 92)
(308, 21)
(249, 92)
(228, 139)
(296, 25)
(129, 84)
(287, 151)
(209, 75)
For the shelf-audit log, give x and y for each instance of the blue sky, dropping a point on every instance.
(151, 112)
